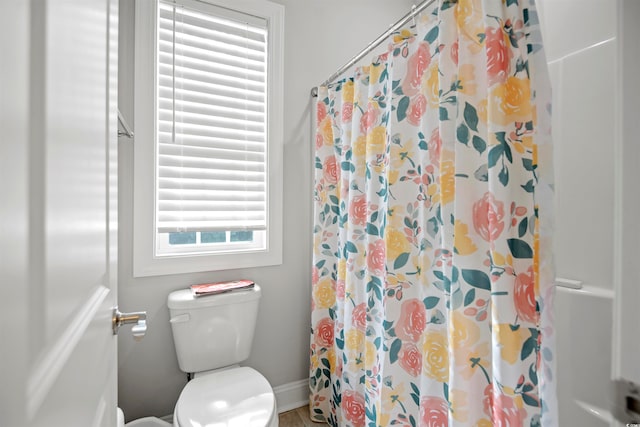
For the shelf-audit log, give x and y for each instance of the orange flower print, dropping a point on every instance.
(347, 112)
(434, 412)
(434, 145)
(506, 413)
(376, 257)
(323, 333)
(498, 55)
(330, 170)
(488, 215)
(321, 112)
(412, 321)
(358, 210)
(525, 297)
(353, 407)
(410, 359)
(369, 119)
(359, 317)
(417, 108)
(416, 65)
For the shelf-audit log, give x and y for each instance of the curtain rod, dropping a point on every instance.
(395, 27)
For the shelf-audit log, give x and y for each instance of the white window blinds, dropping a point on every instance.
(211, 123)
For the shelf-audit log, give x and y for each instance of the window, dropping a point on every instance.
(208, 147)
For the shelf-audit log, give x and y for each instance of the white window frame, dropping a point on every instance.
(145, 260)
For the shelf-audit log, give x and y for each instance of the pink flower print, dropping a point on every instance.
(434, 412)
(506, 413)
(369, 119)
(416, 66)
(488, 214)
(347, 112)
(454, 52)
(498, 55)
(323, 334)
(417, 108)
(315, 275)
(412, 321)
(358, 210)
(321, 112)
(353, 407)
(376, 257)
(359, 317)
(410, 359)
(330, 170)
(524, 296)
(433, 147)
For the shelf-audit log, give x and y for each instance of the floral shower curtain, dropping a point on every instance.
(432, 275)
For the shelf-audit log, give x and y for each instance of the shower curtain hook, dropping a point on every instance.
(413, 14)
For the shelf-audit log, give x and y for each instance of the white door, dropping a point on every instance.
(58, 224)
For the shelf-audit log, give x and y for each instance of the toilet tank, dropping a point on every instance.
(212, 331)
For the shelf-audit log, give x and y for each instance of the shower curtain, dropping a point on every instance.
(432, 270)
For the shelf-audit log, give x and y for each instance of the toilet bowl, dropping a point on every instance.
(212, 335)
(231, 397)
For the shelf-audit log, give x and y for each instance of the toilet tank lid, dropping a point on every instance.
(184, 298)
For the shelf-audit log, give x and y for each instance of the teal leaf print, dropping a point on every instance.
(522, 228)
(463, 134)
(432, 35)
(350, 247)
(471, 116)
(482, 173)
(415, 394)
(530, 400)
(373, 230)
(503, 176)
(477, 279)
(479, 144)
(470, 297)
(431, 302)
(437, 318)
(395, 349)
(494, 155)
(403, 105)
(528, 187)
(528, 347)
(528, 165)
(520, 248)
(401, 260)
(444, 115)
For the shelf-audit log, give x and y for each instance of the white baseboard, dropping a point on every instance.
(292, 395)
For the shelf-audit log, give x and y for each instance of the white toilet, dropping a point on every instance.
(212, 334)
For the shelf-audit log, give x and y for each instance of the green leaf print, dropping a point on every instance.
(479, 144)
(395, 349)
(403, 105)
(401, 260)
(432, 35)
(463, 134)
(477, 279)
(431, 302)
(520, 248)
(471, 116)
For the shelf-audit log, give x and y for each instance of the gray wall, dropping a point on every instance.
(320, 36)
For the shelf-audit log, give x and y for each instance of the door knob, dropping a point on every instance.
(137, 318)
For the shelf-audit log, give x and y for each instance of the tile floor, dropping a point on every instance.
(298, 417)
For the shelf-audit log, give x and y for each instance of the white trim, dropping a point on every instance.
(292, 395)
(145, 262)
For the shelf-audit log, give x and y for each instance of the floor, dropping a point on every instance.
(298, 417)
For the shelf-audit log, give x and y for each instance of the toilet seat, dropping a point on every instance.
(237, 397)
